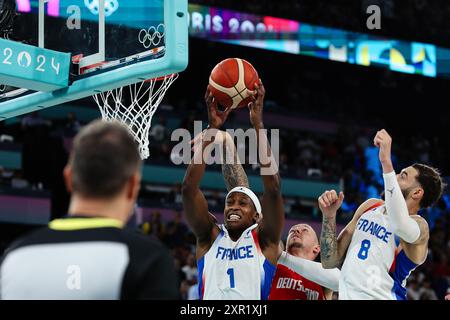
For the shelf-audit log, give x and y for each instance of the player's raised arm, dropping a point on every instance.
(233, 173)
(194, 202)
(329, 203)
(406, 227)
(312, 270)
(334, 249)
(272, 201)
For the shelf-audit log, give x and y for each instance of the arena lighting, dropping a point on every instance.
(52, 7)
(294, 37)
(24, 5)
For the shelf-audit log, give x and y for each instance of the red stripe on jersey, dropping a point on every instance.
(289, 285)
(392, 268)
(203, 285)
(255, 238)
(376, 205)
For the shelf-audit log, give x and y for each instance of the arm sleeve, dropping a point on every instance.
(328, 278)
(403, 225)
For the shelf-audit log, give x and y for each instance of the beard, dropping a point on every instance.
(405, 193)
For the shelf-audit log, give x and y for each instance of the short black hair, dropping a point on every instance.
(104, 157)
(431, 181)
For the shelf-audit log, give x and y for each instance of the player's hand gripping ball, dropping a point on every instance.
(232, 82)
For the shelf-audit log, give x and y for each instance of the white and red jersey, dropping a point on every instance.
(235, 270)
(289, 285)
(375, 266)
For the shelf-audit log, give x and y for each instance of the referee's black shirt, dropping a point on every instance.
(87, 258)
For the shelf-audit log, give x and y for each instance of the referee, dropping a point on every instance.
(89, 255)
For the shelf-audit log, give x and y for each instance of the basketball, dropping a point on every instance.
(230, 82)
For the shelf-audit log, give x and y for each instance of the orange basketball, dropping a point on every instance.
(230, 81)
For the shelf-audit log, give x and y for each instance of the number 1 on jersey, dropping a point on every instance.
(364, 250)
(230, 272)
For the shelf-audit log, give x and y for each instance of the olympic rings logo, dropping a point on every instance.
(111, 6)
(151, 36)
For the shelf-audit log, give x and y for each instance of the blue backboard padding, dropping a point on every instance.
(174, 60)
(32, 67)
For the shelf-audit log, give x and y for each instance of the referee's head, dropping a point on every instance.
(103, 173)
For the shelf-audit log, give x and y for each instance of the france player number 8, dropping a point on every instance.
(230, 272)
(364, 250)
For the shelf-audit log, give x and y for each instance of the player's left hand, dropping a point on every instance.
(383, 141)
(256, 106)
(329, 203)
(216, 118)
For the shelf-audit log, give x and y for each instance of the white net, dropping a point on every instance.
(134, 106)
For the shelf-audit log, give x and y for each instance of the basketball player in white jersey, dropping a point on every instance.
(236, 260)
(385, 241)
(298, 276)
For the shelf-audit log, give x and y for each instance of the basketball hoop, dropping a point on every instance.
(134, 107)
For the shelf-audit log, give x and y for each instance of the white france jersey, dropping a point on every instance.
(375, 267)
(235, 270)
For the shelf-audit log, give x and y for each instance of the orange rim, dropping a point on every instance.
(161, 78)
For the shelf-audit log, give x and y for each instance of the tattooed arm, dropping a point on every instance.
(333, 249)
(195, 205)
(232, 170)
(328, 243)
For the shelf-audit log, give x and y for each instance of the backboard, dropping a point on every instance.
(113, 43)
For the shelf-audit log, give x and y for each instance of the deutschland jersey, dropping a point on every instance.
(289, 285)
(87, 258)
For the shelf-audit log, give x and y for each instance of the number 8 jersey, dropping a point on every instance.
(235, 270)
(375, 266)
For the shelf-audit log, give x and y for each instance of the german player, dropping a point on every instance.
(298, 276)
